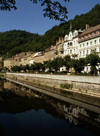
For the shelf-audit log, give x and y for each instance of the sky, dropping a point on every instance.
(29, 16)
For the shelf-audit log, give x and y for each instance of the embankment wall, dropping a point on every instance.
(87, 84)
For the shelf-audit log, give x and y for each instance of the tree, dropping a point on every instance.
(67, 60)
(55, 64)
(38, 66)
(93, 60)
(15, 68)
(53, 10)
(48, 64)
(80, 65)
(73, 63)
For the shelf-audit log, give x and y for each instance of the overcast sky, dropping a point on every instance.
(29, 16)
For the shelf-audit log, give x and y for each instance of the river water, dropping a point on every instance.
(26, 112)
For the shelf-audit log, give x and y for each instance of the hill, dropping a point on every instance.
(15, 41)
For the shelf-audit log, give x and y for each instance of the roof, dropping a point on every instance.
(24, 56)
(90, 30)
(8, 59)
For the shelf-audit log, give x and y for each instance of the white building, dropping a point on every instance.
(71, 43)
(89, 40)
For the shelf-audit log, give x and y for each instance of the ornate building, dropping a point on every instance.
(71, 43)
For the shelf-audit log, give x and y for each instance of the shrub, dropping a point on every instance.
(67, 86)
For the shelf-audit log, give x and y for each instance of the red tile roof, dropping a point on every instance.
(90, 30)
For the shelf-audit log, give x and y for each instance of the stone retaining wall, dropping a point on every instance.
(80, 83)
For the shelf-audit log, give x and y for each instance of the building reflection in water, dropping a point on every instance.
(74, 114)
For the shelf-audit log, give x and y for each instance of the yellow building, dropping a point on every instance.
(8, 63)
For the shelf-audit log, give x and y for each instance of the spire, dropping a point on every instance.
(70, 26)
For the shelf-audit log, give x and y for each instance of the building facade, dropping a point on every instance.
(71, 43)
(89, 40)
(59, 50)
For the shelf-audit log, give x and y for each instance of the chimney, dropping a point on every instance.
(87, 26)
(70, 26)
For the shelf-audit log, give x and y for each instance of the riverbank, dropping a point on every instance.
(81, 86)
(86, 84)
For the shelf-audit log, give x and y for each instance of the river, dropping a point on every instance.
(26, 112)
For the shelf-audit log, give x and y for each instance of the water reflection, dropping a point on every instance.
(32, 113)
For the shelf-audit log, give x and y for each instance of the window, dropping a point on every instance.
(91, 43)
(83, 53)
(80, 45)
(94, 41)
(99, 40)
(70, 43)
(99, 49)
(70, 51)
(87, 51)
(83, 45)
(87, 43)
(80, 54)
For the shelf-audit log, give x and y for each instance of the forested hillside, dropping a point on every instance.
(15, 41)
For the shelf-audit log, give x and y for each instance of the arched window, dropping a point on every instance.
(70, 43)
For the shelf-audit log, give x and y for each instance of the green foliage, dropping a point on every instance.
(1, 75)
(16, 41)
(67, 86)
(93, 60)
(67, 60)
(15, 68)
(53, 10)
